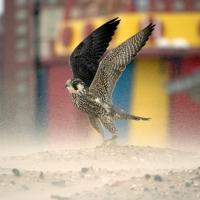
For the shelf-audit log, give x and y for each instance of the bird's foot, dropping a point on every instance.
(109, 142)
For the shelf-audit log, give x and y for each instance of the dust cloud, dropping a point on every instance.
(77, 170)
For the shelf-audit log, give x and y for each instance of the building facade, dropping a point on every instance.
(36, 66)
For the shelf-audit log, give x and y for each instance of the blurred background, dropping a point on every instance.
(163, 82)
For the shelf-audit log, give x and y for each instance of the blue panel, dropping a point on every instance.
(41, 114)
(122, 98)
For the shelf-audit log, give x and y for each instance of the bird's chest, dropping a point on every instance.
(79, 101)
(90, 105)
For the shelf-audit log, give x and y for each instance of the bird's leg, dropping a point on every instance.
(96, 124)
(111, 141)
(111, 128)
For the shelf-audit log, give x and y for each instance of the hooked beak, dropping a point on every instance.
(67, 84)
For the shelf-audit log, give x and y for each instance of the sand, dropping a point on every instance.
(101, 173)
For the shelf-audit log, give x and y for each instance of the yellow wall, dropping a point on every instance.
(183, 25)
(149, 100)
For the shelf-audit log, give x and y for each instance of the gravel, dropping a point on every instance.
(109, 173)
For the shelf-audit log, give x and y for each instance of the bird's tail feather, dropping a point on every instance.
(133, 117)
(121, 114)
(124, 115)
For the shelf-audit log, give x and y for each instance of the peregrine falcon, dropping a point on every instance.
(95, 77)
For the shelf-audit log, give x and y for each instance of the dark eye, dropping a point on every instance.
(74, 84)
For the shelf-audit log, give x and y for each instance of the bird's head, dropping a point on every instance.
(76, 86)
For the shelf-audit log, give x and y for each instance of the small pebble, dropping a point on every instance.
(147, 176)
(16, 172)
(25, 187)
(171, 172)
(176, 192)
(158, 178)
(171, 187)
(133, 187)
(12, 182)
(57, 197)
(41, 176)
(196, 184)
(187, 184)
(60, 183)
(84, 169)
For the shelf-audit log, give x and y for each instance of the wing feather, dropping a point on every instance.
(111, 67)
(86, 56)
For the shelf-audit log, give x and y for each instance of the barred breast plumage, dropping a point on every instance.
(90, 104)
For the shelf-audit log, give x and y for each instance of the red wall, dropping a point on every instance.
(65, 122)
(185, 117)
(184, 110)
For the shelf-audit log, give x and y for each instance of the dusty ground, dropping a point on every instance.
(118, 173)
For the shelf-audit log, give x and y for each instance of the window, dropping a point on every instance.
(21, 56)
(160, 5)
(52, 2)
(141, 5)
(21, 74)
(21, 44)
(178, 5)
(21, 29)
(196, 5)
(21, 87)
(20, 2)
(21, 14)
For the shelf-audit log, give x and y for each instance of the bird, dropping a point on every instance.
(96, 73)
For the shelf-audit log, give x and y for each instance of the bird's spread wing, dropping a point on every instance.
(111, 67)
(86, 56)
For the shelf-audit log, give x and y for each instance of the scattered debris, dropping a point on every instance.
(25, 187)
(158, 178)
(147, 176)
(187, 184)
(85, 169)
(171, 187)
(106, 173)
(16, 172)
(59, 183)
(41, 176)
(12, 182)
(176, 192)
(117, 183)
(196, 184)
(57, 197)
